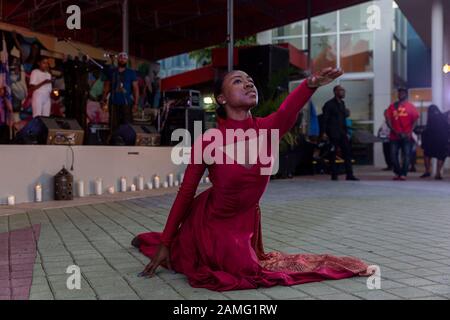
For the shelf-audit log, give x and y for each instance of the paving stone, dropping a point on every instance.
(407, 236)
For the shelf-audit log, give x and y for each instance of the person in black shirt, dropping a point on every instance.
(335, 130)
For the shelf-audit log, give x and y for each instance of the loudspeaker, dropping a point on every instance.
(63, 131)
(56, 131)
(136, 135)
(268, 65)
(181, 118)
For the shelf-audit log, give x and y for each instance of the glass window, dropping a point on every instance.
(354, 18)
(293, 29)
(326, 23)
(359, 99)
(357, 52)
(324, 52)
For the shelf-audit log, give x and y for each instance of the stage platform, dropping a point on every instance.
(22, 167)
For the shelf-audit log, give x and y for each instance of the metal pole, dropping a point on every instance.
(309, 13)
(125, 26)
(230, 34)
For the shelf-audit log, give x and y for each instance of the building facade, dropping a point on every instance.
(369, 42)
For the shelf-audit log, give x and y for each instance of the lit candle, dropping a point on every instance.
(111, 190)
(123, 184)
(157, 182)
(177, 183)
(38, 193)
(170, 178)
(11, 200)
(165, 184)
(140, 183)
(133, 187)
(98, 186)
(81, 188)
(149, 185)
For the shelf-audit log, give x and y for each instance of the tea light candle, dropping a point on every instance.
(81, 188)
(38, 193)
(98, 186)
(111, 190)
(149, 185)
(170, 178)
(177, 183)
(11, 200)
(157, 181)
(141, 183)
(133, 187)
(123, 184)
(165, 184)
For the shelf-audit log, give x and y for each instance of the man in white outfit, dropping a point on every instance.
(41, 86)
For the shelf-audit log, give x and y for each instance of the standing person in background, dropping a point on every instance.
(6, 112)
(335, 129)
(435, 141)
(41, 88)
(401, 118)
(383, 134)
(123, 85)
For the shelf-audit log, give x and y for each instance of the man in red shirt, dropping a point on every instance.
(401, 117)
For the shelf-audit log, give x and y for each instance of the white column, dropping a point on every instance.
(437, 52)
(382, 66)
(125, 27)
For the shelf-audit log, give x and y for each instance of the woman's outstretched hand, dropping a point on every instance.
(324, 77)
(161, 256)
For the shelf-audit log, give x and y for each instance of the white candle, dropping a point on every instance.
(133, 187)
(123, 184)
(149, 185)
(165, 184)
(170, 178)
(207, 180)
(156, 182)
(81, 188)
(11, 200)
(98, 186)
(38, 193)
(111, 190)
(177, 183)
(141, 183)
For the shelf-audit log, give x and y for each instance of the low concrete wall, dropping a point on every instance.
(22, 167)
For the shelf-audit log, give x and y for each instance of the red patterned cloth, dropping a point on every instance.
(215, 238)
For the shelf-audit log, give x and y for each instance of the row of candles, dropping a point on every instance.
(154, 184)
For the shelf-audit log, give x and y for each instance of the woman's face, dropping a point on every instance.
(238, 91)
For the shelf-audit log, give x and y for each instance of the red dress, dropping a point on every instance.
(215, 238)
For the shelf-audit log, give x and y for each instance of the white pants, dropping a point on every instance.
(41, 104)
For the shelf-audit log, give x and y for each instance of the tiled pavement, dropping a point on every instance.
(401, 226)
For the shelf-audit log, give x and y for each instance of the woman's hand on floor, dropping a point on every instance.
(161, 256)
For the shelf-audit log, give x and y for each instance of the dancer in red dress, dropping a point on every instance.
(215, 238)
